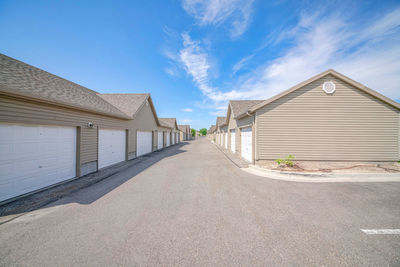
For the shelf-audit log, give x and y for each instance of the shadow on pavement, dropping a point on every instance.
(115, 176)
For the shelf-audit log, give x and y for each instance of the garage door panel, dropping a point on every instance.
(160, 140)
(5, 150)
(246, 143)
(168, 139)
(226, 141)
(27, 147)
(112, 146)
(6, 132)
(33, 157)
(233, 141)
(144, 142)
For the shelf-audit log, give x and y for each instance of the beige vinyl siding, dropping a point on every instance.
(164, 130)
(24, 111)
(246, 121)
(232, 122)
(143, 121)
(243, 122)
(182, 136)
(231, 126)
(224, 130)
(311, 125)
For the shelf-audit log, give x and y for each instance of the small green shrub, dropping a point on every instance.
(288, 161)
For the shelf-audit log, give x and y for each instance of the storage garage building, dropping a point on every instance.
(53, 130)
(328, 117)
(219, 123)
(185, 133)
(172, 134)
(239, 131)
(143, 123)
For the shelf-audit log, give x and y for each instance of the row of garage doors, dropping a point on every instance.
(245, 144)
(33, 157)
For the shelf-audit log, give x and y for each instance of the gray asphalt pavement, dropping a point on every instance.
(195, 207)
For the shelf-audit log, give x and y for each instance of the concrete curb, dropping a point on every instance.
(323, 178)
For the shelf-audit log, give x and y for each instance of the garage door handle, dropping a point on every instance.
(40, 167)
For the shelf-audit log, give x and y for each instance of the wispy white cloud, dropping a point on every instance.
(172, 71)
(187, 110)
(213, 12)
(219, 113)
(369, 54)
(195, 62)
(185, 121)
(240, 64)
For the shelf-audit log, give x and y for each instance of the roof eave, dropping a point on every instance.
(65, 105)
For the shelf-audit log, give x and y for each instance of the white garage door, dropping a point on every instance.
(143, 143)
(160, 140)
(111, 147)
(33, 157)
(226, 140)
(246, 143)
(233, 141)
(168, 138)
(173, 138)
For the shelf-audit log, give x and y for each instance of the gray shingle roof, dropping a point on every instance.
(127, 103)
(212, 129)
(19, 78)
(168, 122)
(184, 128)
(241, 106)
(220, 121)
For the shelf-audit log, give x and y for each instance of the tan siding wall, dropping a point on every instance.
(144, 121)
(232, 123)
(311, 125)
(22, 111)
(231, 126)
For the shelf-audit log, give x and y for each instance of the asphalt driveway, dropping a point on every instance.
(195, 207)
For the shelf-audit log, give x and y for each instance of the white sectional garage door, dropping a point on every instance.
(33, 157)
(111, 147)
(173, 138)
(233, 141)
(246, 143)
(160, 140)
(168, 138)
(143, 143)
(226, 140)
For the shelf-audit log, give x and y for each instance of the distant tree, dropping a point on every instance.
(203, 131)
(193, 132)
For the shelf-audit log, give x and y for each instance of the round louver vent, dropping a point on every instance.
(329, 87)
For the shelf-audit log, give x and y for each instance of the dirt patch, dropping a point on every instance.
(334, 167)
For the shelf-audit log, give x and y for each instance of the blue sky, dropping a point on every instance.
(193, 56)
